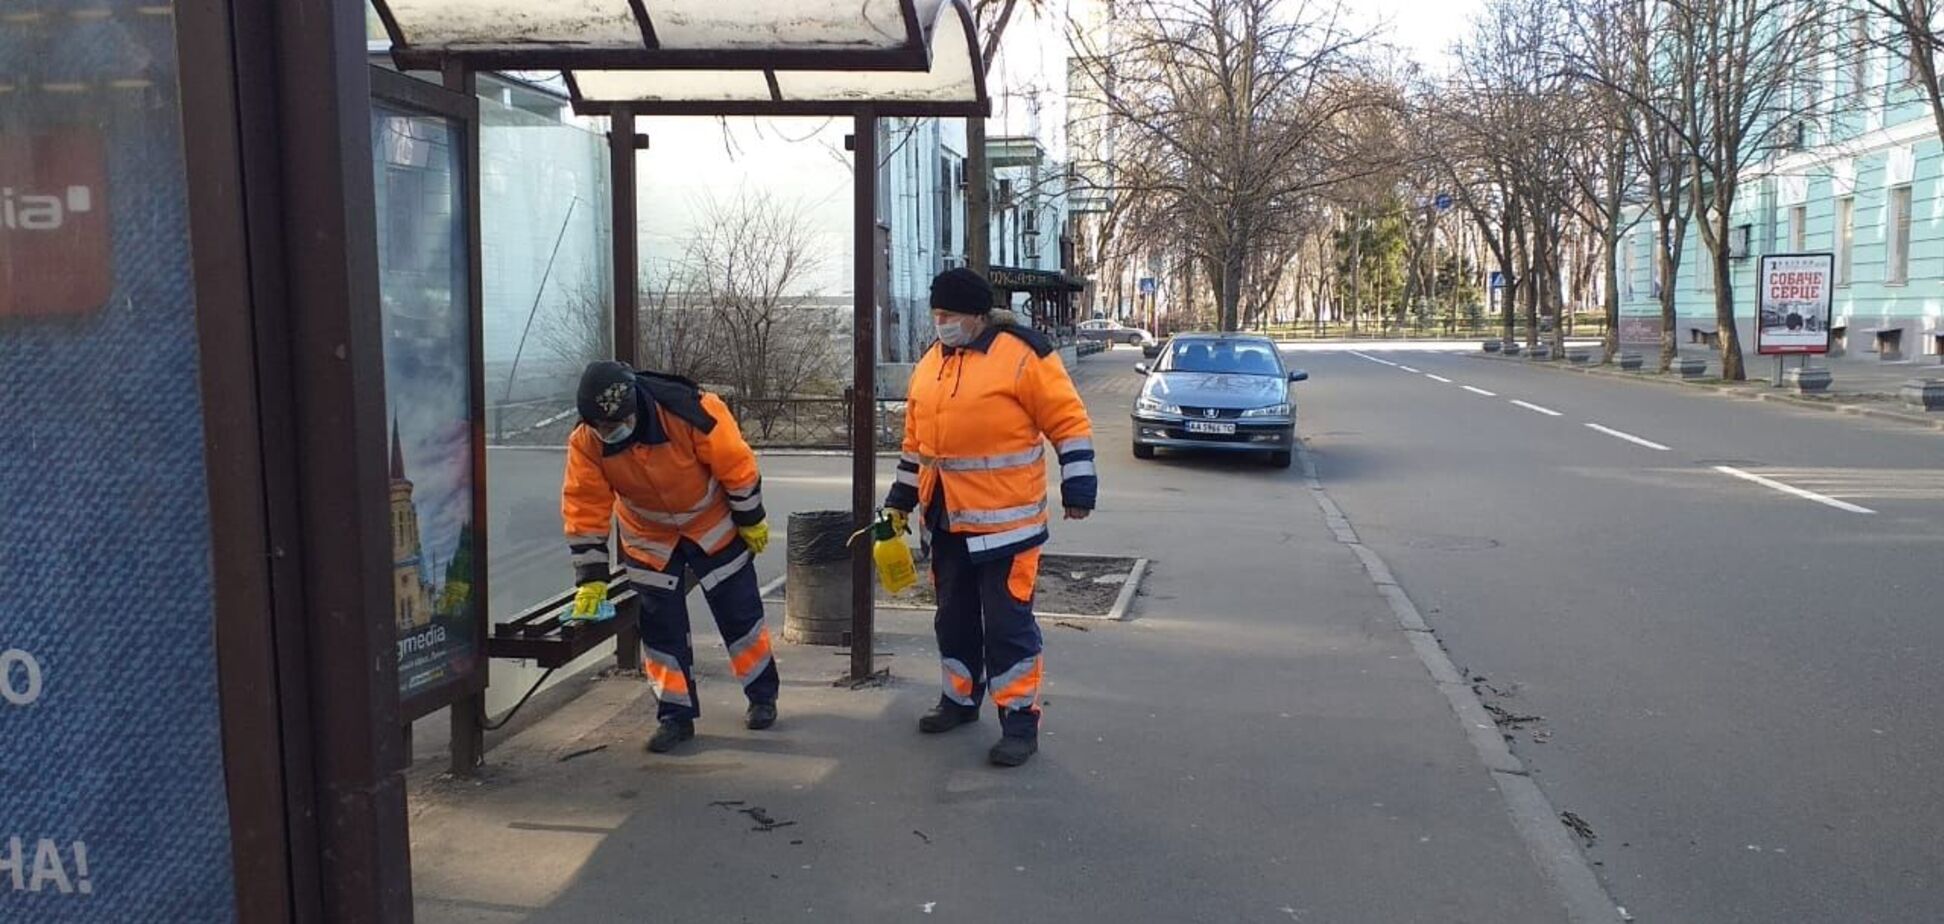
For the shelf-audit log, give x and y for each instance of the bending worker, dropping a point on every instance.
(983, 402)
(665, 461)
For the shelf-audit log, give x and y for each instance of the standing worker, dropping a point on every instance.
(982, 404)
(665, 461)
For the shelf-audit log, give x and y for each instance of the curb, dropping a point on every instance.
(1559, 858)
(1852, 410)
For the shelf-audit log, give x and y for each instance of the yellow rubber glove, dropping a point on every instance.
(757, 536)
(588, 599)
(900, 520)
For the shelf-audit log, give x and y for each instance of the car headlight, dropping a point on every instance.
(1156, 406)
(1273, 410)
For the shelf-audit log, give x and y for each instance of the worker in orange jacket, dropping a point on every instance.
(663, 463)
(983, 402)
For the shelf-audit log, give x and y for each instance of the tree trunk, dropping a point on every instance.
(1670, 317)
(1505, 294)
(1610, 266)
(1731, 352)
(978, 199)
(1557, 291)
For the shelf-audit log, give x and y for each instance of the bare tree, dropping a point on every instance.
(1748, 58)
(1916, 40)
(1232, 117)
(751, 267)
(579, 331)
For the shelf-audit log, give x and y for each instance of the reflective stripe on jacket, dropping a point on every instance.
(671, 481)
(977, 419)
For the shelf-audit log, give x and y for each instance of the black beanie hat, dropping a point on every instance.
(961, 291)
(606, 392)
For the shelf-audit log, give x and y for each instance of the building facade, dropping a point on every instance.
(1862, 184)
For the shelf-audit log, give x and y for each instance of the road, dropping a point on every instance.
(1729, 614)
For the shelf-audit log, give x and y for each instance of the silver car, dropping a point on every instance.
(1220, 392)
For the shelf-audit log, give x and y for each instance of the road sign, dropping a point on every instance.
(1498, 280)
(1794, 303)
(1147, 285)
(1444, 202)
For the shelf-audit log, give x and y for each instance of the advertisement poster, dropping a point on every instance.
(112, 798)
(1797, 291)
(428, 370)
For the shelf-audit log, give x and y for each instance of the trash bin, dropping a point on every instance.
(817, 582)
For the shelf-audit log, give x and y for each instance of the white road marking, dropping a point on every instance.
(1437, 378)
(1382, 362)
(1549, 412)
(1480, 391)
(1407, 369)
(1650, 444)
(1791, 489)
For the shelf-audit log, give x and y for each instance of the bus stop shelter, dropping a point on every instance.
(277, 100)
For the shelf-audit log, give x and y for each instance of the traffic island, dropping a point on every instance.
(1924, 394)
(1810, 380)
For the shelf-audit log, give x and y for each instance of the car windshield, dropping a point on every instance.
(1242, 358)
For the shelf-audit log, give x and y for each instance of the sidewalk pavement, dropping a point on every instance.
(1259, 742)
(1860, 385)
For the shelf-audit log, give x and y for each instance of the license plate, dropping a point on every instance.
(1209, 426)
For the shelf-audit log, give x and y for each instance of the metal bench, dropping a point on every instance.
(1707, 335)
(539, 635)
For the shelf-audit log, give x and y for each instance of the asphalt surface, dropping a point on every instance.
(1738, 685)
(1259, 742)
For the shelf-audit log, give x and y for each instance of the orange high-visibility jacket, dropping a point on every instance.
(976, 423)
(685, 473)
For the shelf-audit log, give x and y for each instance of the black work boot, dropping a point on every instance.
(946, 716)
(671, 733)
(1011, 751)
(760, 716)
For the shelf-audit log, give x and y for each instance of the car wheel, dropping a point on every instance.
(1142, 451)
(1281, 459)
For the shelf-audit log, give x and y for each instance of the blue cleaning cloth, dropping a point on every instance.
(603, 614)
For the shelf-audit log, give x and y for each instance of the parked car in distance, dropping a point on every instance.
(1111, 332)
(1222, 392)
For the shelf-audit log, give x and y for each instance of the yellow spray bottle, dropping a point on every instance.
(894, 567)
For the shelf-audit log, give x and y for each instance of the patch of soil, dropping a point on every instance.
(1080, 585)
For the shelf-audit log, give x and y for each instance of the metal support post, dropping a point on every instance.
(864, 388)
(467, 746)
(622, 145)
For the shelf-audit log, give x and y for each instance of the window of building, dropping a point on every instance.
(1798, 229)
(1897, 270)
(1845, 237)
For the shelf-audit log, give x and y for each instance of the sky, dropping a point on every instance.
(1424, 28)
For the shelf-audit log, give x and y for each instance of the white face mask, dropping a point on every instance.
(617, 435)
(956, 333)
